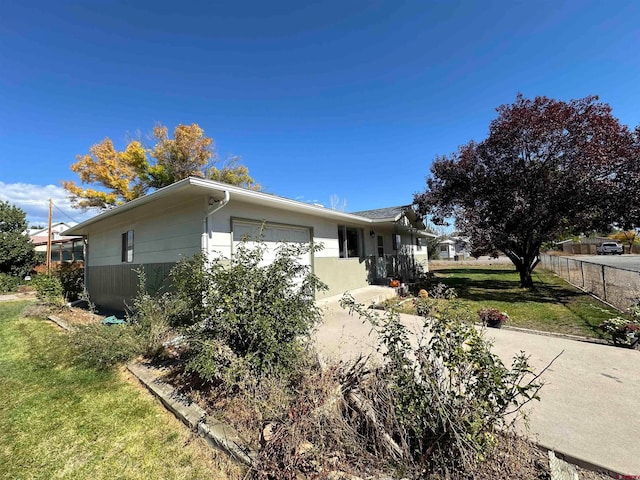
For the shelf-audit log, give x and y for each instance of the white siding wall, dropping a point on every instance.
(156, 239)
(324, 232)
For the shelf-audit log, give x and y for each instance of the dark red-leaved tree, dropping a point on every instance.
(547, 167)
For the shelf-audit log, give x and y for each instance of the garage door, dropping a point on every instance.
(272, 235)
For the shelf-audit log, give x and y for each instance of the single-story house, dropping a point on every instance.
(197, 215)
(453, 248)
(64, 248)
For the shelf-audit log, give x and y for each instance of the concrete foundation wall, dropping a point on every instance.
(341, 274)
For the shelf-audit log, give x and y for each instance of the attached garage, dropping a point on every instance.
(272, 235)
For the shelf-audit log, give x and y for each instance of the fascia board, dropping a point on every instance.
(234, 192)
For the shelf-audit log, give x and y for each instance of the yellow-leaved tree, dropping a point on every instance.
(628, 237)
(121, 174)
(112, 177)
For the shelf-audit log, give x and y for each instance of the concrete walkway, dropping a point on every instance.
(590, 407)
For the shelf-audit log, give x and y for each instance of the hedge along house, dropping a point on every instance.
(197, 215)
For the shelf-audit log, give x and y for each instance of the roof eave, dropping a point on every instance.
(234, 191)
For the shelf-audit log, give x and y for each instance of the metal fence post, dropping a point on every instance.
(604, 285)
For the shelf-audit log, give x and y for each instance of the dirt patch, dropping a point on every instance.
(78, 316)
(17, 296)
(71, 315)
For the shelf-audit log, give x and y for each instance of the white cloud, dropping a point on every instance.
(34, 200)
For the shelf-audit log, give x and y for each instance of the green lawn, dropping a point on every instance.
(59, 420)
(552, 305)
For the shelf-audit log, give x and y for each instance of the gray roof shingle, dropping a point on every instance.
(382, 213)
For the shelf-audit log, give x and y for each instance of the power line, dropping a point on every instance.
(59, 210)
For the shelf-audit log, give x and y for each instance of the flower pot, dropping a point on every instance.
(625, 341)
(495, 323)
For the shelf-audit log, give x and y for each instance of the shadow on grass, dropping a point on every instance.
(488, 285)
(488, 290)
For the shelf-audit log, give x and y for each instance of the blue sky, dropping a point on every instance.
(353, 98)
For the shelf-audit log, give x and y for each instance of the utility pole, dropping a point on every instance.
(49, 238)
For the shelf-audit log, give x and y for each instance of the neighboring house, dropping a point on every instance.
(454, 248)
(196, 215)
(64, 248)
(39, 235)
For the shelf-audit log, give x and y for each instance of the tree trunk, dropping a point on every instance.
(525, 278)
(524, 266)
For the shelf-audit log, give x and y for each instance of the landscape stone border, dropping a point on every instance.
(582, 463)
(216, 433)
(567, 336)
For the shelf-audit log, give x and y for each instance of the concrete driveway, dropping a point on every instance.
(591, 398)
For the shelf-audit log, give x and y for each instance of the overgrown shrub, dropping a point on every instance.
(48, 288)
(215, 363)
(263, 312)
(150, 317)
(442, 400)
(71, 276)
(65, 282)
(9, 283)
(442, 291)
(102, 346)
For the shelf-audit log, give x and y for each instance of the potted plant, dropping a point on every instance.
(623, 332)
(492, 317)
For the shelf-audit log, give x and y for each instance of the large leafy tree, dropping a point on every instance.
(189, 153)
(121, 176)
(109, 177)
(547, 168)
(17, 256)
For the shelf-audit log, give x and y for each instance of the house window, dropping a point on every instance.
(396, 241)
(350, 241)
(127, 246)
(444, 248)
(418, 244)
(380, 246)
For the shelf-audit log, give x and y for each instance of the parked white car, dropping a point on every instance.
(610, 248)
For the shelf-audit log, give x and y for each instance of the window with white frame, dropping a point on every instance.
(127, 246)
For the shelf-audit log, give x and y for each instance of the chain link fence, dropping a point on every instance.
(617, 286)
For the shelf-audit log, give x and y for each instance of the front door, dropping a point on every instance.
(381, 265)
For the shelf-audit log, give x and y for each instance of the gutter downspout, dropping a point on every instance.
(214, 206)
(85, 258)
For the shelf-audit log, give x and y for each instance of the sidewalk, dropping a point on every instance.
(591, 398)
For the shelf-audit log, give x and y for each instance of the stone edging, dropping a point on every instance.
(216, 433)
(566, 336)
(58, 321)
(580, 462)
